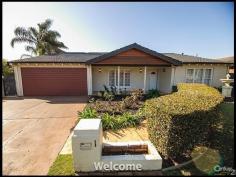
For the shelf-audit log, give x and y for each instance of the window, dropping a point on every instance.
(116, 77)
(127, 79)
(199, 76)
(189, 78)
(112, 78)
(121, 78)
(124, 78)
(207, 78)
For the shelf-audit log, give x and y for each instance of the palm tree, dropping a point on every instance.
(39, 41)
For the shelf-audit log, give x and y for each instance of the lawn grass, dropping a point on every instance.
(204, 158)
(62, 166)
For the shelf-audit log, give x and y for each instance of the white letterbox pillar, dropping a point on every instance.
(87, 144)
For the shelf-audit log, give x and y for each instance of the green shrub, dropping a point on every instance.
(152, 93)
(6, 69)
(112, 121)
(107, 94)
(88, 113)
(129, 120)
(181, 120)
(115, 122)
(109, 122)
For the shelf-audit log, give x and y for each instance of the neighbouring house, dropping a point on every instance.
(130, 67)
(230, 66)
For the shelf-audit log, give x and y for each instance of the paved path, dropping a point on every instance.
(35, 130)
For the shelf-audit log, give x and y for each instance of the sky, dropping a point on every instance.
(205, 29)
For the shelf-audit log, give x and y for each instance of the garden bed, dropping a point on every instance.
(116, 107)
(117, 111)
(219, 152)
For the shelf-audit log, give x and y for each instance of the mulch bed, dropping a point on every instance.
(113, 106)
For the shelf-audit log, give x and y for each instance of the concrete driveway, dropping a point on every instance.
(35, 130)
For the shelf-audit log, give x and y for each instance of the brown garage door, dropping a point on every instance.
(54, 81)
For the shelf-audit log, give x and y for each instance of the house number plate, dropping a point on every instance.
(85, 146)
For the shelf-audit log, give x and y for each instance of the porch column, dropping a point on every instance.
(18, 80)
(89, 80)
(118, 84)
(173, 75)
(144, 79)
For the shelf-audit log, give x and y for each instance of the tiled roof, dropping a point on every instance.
(138, 47)
(70, 57)
(90, 57)
(193, 59)
(227, 59)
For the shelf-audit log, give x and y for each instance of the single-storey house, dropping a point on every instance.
(231, 66)
(130, 67)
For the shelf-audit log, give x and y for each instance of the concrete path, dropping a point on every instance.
(35, 130)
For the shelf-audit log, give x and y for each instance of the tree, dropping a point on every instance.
(6, 69)
(40, 40)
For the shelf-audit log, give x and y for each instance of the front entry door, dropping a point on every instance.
(153, 80)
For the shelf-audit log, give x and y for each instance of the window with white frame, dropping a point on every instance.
(112, 78)
(124, 78)
(208, 76)
(199, 75)
(189, 75)
(127, 79)
(121, 78)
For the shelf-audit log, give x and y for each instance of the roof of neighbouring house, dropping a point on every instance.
(92, 57)
(195, 59)
(227, 59)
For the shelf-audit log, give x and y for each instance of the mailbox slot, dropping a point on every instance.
(85, 146)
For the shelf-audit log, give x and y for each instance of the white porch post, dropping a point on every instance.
(144, 79)
(172, 75)
(118, 84)
(18, 80)
(89, 80)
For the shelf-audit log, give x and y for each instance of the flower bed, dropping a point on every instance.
(117, 111)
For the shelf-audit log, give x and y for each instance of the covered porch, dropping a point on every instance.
(127, 78)
(131, 67)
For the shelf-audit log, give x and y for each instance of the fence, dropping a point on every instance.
(9, 85)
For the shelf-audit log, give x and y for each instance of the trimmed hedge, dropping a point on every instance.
(179, 121)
